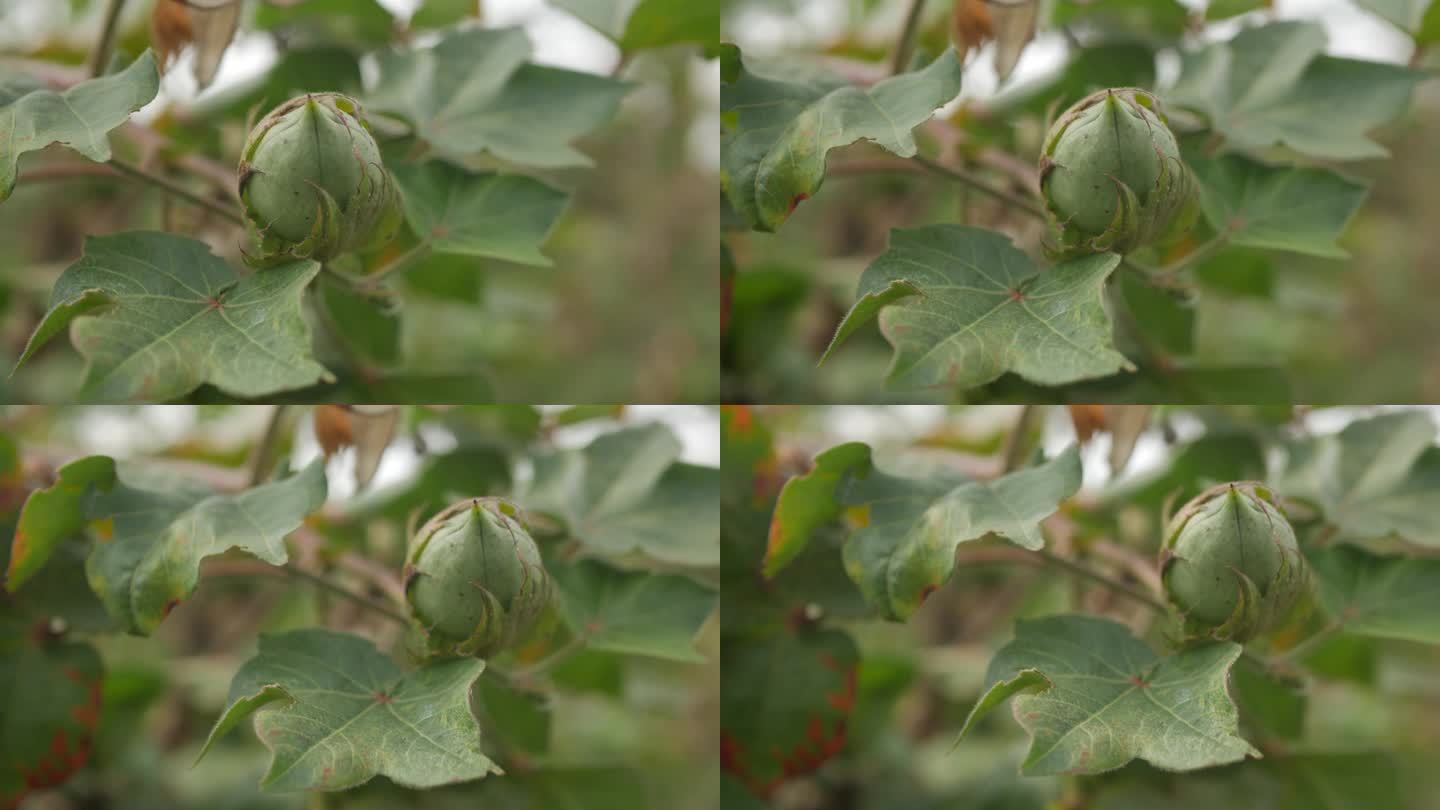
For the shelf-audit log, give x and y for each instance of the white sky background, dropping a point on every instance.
(126, 432)
(900, 423)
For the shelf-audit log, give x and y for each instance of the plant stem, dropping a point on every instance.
(1013, 200)
(549, 662)
(171, 187)
(1165, 276)
(1309, 645)
(1086, 572)
(905, 44)
(251, 568)
(100, 57)
(341, 591)
(401, 262)
(264, 456)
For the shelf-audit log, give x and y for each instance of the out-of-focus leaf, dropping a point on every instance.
(963, 306)
(779, 132)
(520, 720)
(637, 24)
(747, 453)
(321, 68)
(1270, 86)
(52, 706)
(633, 613)
(775, 728)
(1279, 208)
(1225, 9)
(624, 493)
(1377, 477)
(163, 529)
(474, 91)
(158, 315)
(467, 471)
(1281, 781)
(1150, 18)
(565, 788)
(53, 514)
(1094, 697)
(59, 592)
(335, 713)
(501, 216)
(1269, 703)
(361, 22)
(1195, 467)
(81, 118)
(1383, 597)
(367, 322)
(443, 13)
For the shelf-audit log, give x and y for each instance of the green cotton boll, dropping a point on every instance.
(312, 181)
(1231, 564)
(1112, 176)
(474, 580)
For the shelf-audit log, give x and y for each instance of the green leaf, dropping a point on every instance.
(1094, 697)
(553, 787)
(500, 216)
(911, 527)
(366, 323)
(1279, 208)
(809, 501)
(963, 306)
(773, 151)
(633, 613)
(1377, 477)
(52, 706)
(1270, 86)
(747, 453)
(441, 13)
(637, 24)
(1270, 703)
(352, 21)
(336, 712)
(624, 493)
(59, 592)
(1225, 9)
(163, 528)
(1145, 17)
(80, 118)
(157, 315)
(1379, 596)
(469, 470)
(519, 719)
(53, 514)
(474, 91)
(785, 704)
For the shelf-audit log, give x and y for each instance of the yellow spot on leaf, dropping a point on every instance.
(104, 529)
(858, 516)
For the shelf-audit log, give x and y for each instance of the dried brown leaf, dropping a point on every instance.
(1010, 24)
(208, 25)
(333, 428)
